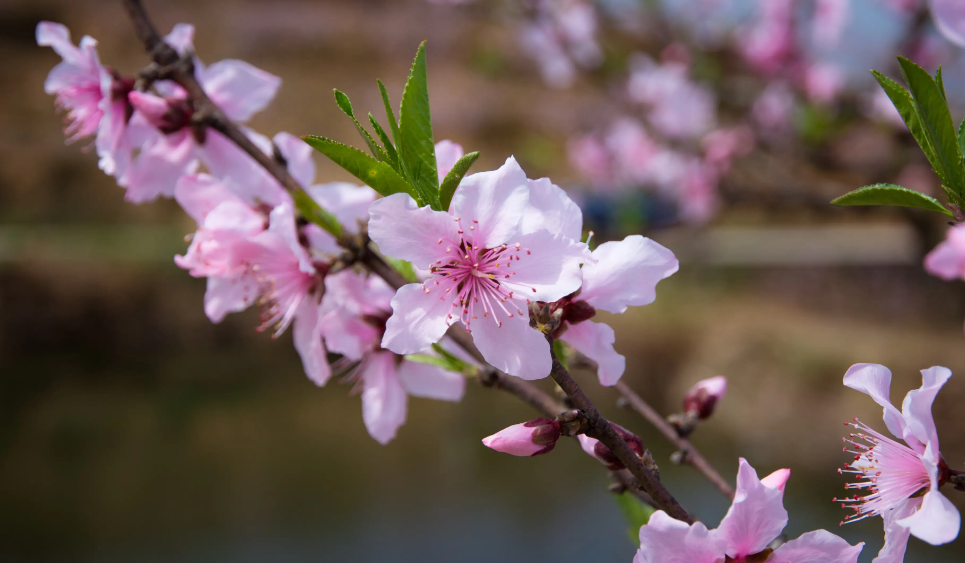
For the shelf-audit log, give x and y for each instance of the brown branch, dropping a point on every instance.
(690, 455)
(601, 429)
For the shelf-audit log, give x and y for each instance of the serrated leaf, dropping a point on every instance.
(939, 82)
(890, 194)
(416, 146)
(387, 143)
(937, 123)
(636, 514)
(452, 179)
(389, 114)
(404, 268)
(378, 175)
(346, 106)
(313, 212)
(905, 105)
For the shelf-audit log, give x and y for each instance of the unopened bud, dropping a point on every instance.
(536, 437)
(595, 448)
(703, 397)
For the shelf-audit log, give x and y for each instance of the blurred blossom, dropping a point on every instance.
(772, 109)
(702, 398)
(947, 260)
(903, 6)
(632, 150)
(949, 16)
(823, 82)
(830, 19)
(722, 146)
(918, 177)
(542, 43)
(447, 154)
(769, 44)
(589, 156)
(677, 107)
(561, 35)
(878, 106)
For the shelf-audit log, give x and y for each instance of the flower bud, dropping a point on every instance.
(703, 397)
(536, 437)
(595, 448)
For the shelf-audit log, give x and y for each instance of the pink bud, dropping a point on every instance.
(595, 448)
(536, 437)
(777, 480)
(703, 397)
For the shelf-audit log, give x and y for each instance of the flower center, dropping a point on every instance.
(480, 281)
(283, 287)
(889, 471)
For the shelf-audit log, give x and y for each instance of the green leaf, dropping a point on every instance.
(890, 194)
(452, 179)
(346, 106)
(961, 137)
(389, 114)
(561, 353)
(310, 210)
(416, 146)
(465, 367)
(906, 108)
(387, 143)
(939, 82)
(444, 360)
(937, 123)
(404, 268)
(636, 513)
(378, 175)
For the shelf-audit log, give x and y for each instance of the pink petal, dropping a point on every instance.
(447, 154)
(667, 540)
(348, 202)
(198, 194)
(281, 222)
(57, 37)
(515, 440)
(418, 320)
(550, 266)
(245, 176)
(514, 347)
(228, 295)
(152, 107)
(916, 408)
(113, 144)
(595, 341)
(756, 516)
(155, 171)
(946, 261)
(896, 535)
(181, 37)
(626, 273)
(238, 88)
(307, 336)
(299, 157)
(777, 480)
(384, 401)
(497, 200)
(404, 231)
(949, 16)
(349, 335)
(819, 546)
(431, 382)
(550, 208)
(937, 521)
(588, 444)
(875, 381)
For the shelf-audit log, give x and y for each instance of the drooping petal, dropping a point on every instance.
(595, 341)
(916, 408)
(949, 16)
(298, 155)
(228, 295)
(447, 154)
(756, 516)
(431, 382)
(347, 334)
(548, 264)
(626, 273)
(513, 346)
(896, 535)
(937, 521)
(155, 171)
(875, 381)
(667, 540)
(282, 223)
(819, 546)
(496, 199)
(550, 208)
(307, 335)
(384, 401)
(418, 320)
(239, 88)
(947, 260)
(198, 194)
(405, 231)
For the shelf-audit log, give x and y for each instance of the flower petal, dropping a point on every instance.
(348, 202)
(550, 208)
(447, 154)
(666, 540)
(418, 320)
(405, 231)
(156, 169)
(949, 16)
(916, 409)
(514, 347)
(896, 535)
(239, 88)
(497, 200)
(777, 480)
(947, 260)
(875, 381)
(199, 194)
(307, 335)
(819, 546)
(595, 341)
(756, 516)
(57, 37)
(548, 267)
(384, 401)
(298, 155)
(626, 273)
(181, 38)
(937, 521)
(228, 295)
(281, 221)
(431, 382)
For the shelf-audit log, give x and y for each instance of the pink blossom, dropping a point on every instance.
(485, 268)
(355, 309)
(633, 151)
(895, 474)
(677, 107)
(756, 517)
(619, 275)
(542, 43)
(823, 82)
(722, 146)
(589, 156)
(702, 398)
(697, 194)
(949, 16)
(447, 154)
(770, 43)
(527, 439)
(595, 448)
(772, 109)
(947, 260)
(830, 19)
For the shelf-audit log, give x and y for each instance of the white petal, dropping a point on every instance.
(550, 208)
(937, 521)
(307, 335)
(238, 88)
(626, 273)
(875, 381)
(548, 264)
(514, 347)
(497, 200)
(418, 319)
(916, 408)
(431, 382)
(348, 202)
(299, 157)
(404, 231)
(447, 154)
(667, 540)
(819, 546)
(595, 341)
(896, 535)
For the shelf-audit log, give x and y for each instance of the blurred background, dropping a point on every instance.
(132, 429)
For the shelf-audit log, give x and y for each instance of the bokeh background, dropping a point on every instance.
(132, 429)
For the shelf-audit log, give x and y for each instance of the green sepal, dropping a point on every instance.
(312, 211)
(452, 179)
(890, 194)
(378, 175)
(346, 106)
(444, 360)
(389, 114)
(636, 513)
(387, 143)
(416, 145)
(905, 105)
